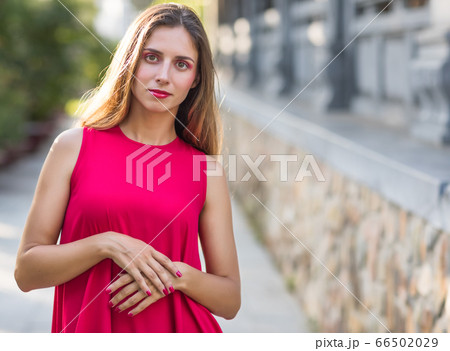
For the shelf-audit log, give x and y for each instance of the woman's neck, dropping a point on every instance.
(148, 128)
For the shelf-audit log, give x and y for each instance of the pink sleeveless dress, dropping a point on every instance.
(153, 193)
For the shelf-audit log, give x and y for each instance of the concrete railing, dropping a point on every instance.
(393, 72)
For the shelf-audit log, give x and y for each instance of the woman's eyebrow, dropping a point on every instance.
(177, 57)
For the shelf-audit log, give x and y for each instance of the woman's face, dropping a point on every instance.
(166, 71)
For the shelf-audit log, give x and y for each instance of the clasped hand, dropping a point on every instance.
(149, 274)
(133, 295)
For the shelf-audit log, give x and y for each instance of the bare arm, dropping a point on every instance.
(38, 264)
(41, 263)
(219, 289)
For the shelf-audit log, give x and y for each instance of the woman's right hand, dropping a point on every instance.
(141, 261)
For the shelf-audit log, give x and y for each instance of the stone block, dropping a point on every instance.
(360, 247)
(375, 201)
(440, 294)
(412, 289)
(389, 220)
(313, 296)
(440, 279)
(422, 249)
(353, 211)
(425, 280)
(410, 326)
(447, 302)
(384, 265)
(415, 234)
(426, 322)
(346, 247)
(352, 190)
(337, 183)
(402, 284)
(356, 322)
(441, 325)
(431, 236)
(334, 217)
(400, 301)
(371, 230)
(403, 219)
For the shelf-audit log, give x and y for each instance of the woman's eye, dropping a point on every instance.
(151, 58)
(182, 65)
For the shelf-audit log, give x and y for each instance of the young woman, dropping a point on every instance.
(130, 194)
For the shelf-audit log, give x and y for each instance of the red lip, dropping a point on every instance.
(160, 94)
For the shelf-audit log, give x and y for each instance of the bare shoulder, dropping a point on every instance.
(66, 148)
(69, 139)
(68, 143)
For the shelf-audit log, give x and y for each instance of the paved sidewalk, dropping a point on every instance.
(266, 305)
(21, 312)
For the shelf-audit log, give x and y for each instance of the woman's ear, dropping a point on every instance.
(196, 81)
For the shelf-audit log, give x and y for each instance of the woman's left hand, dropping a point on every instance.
(136, 296)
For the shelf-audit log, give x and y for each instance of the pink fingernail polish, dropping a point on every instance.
(130, 314)
(108, 291)
(165, 292)
(149, 293)
(171, 289)
(179, 274)
(110, 304)
(117, 309)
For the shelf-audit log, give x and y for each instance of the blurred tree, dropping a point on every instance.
(46, 57)
(141, 4)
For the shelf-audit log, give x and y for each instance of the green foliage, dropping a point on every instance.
(12, 108)
(46, 57)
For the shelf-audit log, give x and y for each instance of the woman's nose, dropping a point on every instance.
(162, 75)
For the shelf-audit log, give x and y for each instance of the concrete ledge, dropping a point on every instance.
(407, 172)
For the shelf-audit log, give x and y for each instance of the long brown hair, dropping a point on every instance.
(108, 104)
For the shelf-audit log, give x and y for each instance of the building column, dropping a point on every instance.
(445, 74)
(254, 8)
(340, 72)
(287, 58)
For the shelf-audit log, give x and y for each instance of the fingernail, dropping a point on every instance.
(110, 304)
(130, 314)
(117, 309)
(171, 289)
(149, 293)
(179, 274)
(165, 292)
(108, 291)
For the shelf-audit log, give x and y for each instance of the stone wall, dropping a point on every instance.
(355, 261)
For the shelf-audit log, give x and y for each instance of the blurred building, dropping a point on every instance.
(364, 87)
(394, 71)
